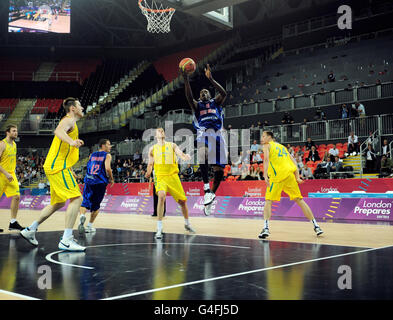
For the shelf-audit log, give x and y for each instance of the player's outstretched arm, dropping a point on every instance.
(150, 164)
(108, 168)
(181, 154)
(222, 94)
(61, 132)
(187, 87)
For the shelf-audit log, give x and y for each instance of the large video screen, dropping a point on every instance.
(40, 16)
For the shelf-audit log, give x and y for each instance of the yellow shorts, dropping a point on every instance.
(170, 184)
(289, 185)
(9, 188)
(63, 186)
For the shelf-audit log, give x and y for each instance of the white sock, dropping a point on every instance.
(82, 215)
(187, 222)
(67, 233)
(206, 186)
(159, 225)
(315, 223)
(266, 225)
(34, 226)
(89, 224)
(13, 220)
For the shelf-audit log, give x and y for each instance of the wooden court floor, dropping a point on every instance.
(339, 234)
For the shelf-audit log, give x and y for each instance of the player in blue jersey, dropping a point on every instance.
(99, 174)
(209, 125)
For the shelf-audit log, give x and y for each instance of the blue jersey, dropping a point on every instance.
(96, 172)
(208, 115)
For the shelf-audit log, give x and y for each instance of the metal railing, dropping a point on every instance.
(31, 76)
(334, 97)
(331, 129)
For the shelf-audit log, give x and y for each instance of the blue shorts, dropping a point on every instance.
(218, 153)
(93, 195)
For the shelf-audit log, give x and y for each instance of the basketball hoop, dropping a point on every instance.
(158, 17)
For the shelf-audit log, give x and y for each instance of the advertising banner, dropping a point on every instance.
(258, 188)
(238, 207)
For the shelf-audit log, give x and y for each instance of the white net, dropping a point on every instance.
(158, 17)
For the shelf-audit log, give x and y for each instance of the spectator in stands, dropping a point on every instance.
(335, 166)
(309, 144)
(353, 144)
(323, 165)
(255, 146)
(385, 148)
(188, 173)
(255, 157)
(266, 124)
(361, 111)
(245, 172)
(386, 166)
(126, 139)
(333, 152)
(331, 77)
(300, 165)
(235, 171)
(291, 150)
(245, 157)
(371, 140)
(313, 156)
(127, 177)
(137, 157)
(371, 159)
(306, 173)
(319, 115)
(287, 118)
(354, 112)
(344, 111)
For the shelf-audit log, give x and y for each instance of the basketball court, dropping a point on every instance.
(223, 260)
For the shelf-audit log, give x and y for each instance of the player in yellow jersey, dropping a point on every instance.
(281, 174)
(163, 156)
(62, 155)
(8, 181)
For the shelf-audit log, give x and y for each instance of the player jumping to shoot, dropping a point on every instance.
(281, 174)
(209, 123)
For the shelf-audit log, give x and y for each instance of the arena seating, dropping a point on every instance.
(14, 69)
(8, 105)
(85, 67)
(355, 63)
(49, 105)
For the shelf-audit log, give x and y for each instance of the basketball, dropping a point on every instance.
(188, 65)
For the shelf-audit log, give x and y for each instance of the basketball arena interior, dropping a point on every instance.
(317, 74)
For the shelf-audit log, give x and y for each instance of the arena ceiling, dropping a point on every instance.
(120, 23)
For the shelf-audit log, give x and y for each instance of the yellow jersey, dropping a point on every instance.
(8, 158)
(280, 163)
(61, 155)
(165, 160)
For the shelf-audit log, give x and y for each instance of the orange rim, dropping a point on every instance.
(154, 10)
